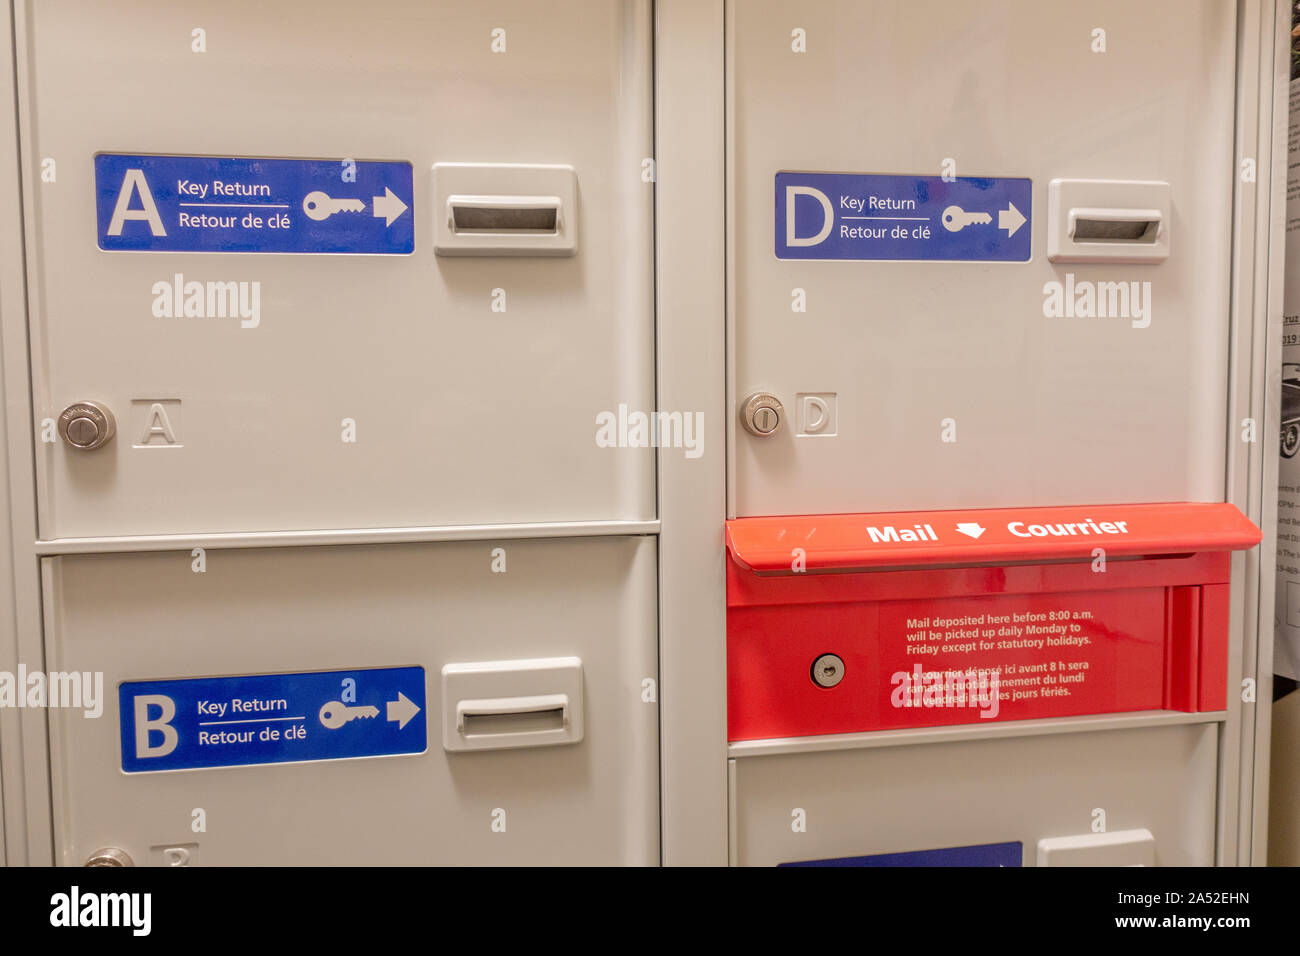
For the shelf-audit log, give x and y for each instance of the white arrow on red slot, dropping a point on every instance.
(402, 710)
(969, 528)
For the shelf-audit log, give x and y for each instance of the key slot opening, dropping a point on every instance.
(1109, 220)
(514, 722)
(1115, 226)
(504, 215)
(509, 716)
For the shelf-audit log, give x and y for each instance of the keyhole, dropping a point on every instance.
(827, 670)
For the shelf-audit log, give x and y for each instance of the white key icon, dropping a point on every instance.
(319, 205)
(334, 714)
(955, 219)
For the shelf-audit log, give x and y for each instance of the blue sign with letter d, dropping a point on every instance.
(854, 216)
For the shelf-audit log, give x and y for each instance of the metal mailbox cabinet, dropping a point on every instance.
(1084, 409)
(464, 387)
(981, 792)
(323, 332)
(980, 279)
(324, 310)
(149, 617)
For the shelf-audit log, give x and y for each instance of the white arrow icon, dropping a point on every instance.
(402, 709)
(969, 528)
(1009, 219)
(388, 207)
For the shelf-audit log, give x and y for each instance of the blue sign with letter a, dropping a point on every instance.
(855, 216)
(216, 204)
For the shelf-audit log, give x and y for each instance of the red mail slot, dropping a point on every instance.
(934, 618)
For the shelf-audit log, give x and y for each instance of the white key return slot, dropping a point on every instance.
(499, 705)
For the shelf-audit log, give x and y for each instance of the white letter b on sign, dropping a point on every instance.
(162, 723)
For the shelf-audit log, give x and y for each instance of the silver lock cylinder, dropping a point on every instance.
(87, 425)
(828, 670)
(761, 414)
(109, 856)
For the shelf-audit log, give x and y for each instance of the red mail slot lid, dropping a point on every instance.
(967, 643)
(790, 544)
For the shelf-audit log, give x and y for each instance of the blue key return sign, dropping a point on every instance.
(215, 204)
(271, 718)
(986, 854)
(856, 216)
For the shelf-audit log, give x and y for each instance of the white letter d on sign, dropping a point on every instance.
(828, 215)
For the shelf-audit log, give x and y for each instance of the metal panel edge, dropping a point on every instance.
(729, 291)
(690, 294)
(1270, 275)
(916, 736)
(24, 745)
(1255, 376)
(1249, 17)
(1255, 371)
(344, 536)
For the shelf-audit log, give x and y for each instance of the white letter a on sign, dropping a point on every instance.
(132, 182)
